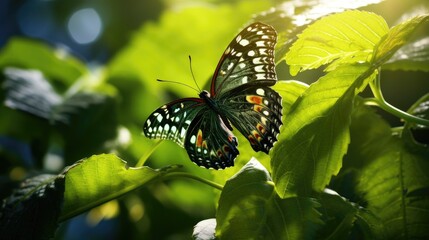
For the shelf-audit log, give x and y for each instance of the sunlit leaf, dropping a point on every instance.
(100, 178)
(396, 38)
(314, 139)
(347, 37)
(290, 17)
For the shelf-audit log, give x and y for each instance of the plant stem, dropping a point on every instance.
(379, 101)
(193, 177)
(145, 156)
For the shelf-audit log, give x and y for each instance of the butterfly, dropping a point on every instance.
(240, 96)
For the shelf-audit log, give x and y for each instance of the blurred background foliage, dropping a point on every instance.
(84, 80)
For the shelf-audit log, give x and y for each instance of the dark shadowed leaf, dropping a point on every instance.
(343, 217)
(32, 211)
(418, 133)
(91, 122)
(249, 208)
(395, 187)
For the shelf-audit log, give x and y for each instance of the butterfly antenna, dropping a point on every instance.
(192, 72)
(184, 84)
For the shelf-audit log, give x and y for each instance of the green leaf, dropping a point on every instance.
(56, 64)
(413, 56)
(292, 218)
(347, 37)
(249, 208)
(341, 217)
(395, 186)
(244, 197)
(290, 17)
(290, 91)
(32, 211)
(396, 38)
(315, 136)
(100, 178)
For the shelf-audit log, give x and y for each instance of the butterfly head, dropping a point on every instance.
(204, 94)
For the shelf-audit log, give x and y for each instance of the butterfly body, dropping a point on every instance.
(240, 96)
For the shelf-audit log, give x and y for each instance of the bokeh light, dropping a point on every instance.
(85, 26)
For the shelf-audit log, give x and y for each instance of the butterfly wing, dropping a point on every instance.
(171, 121)
(256, 111)
(193, 125)
(249, 59)
(210, 143)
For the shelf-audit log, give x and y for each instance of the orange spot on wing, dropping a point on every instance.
(257, 108)
(252, 139)
(254, 99)
(199, 142)
(256, 135)
(260, 128)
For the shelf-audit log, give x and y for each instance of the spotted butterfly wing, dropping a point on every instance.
(244, 74)
(191, 124)
(239, 96)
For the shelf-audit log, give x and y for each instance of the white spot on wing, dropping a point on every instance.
(260, 43)
(257, 60)
(159, 118)
(260, 92)
(259, 68)
(193, 139)
(238, 38)
(260, 76)
(182, 133)
(244, 42)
